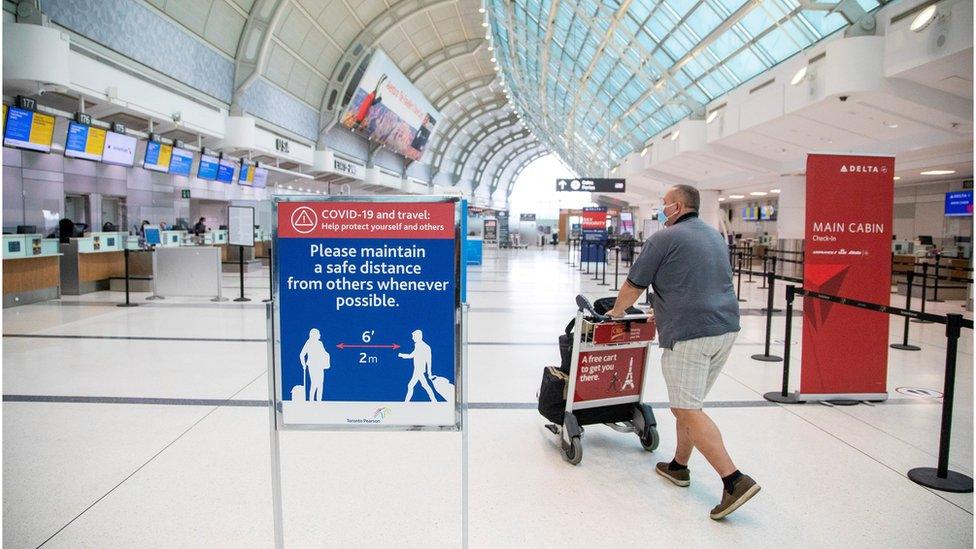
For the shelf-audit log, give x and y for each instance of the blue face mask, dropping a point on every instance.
(661, 217)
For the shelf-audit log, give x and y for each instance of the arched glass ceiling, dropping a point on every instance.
(597, 80)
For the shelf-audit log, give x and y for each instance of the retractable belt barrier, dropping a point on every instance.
(937, 478)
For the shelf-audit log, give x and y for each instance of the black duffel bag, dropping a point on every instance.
(552, 394)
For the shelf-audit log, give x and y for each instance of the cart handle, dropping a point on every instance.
(585, 305)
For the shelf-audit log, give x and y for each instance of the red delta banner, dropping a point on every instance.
(847, 253)
(594, 218)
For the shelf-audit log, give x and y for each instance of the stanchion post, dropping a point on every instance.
(765, 262)
(935, 286)
(738, 286)
(616, 271)
(925, 289)
(125, 256)
(241, 268)
(749, 267)
(766, 357)
(783, 396)
(596, 268)
(904, 345)
(603, 279)
(270, 276)
(772, 283)
(941, 478)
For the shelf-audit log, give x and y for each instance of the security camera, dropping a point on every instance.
(843, 98)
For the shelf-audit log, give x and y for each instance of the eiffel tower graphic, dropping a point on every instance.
(629, 381)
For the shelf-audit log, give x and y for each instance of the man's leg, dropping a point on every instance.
(702, 433)
(682, 452)
(410, 386)
(426, 386)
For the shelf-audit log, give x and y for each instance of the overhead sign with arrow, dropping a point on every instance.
(592, 185)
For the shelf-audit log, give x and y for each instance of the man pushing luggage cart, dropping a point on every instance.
(602, 380)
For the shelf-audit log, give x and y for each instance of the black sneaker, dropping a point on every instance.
(680, 478)
(743, 489)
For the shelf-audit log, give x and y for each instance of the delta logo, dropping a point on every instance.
(863, 168)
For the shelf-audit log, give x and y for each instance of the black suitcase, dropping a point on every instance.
(552, 394)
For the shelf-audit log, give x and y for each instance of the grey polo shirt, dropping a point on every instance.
(687, 266)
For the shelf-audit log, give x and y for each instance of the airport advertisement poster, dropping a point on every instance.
(847, 254)
(368, 311)
(390, 110)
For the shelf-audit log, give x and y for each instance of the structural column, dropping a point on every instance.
(709, 209)
(791, 218)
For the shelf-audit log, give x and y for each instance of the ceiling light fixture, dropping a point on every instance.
(644, 152)
(711, 117)
(675, 135)
(758, 193)
(736, 196)
(938, 172)
(721, 199)
(891, 125)
(481, 10)
(493, 60)
(923, 19)
(484, 23)
(774, 191)
(897, 178)
(799, 76)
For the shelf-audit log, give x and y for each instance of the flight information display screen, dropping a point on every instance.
(26, 129)
(87, 142)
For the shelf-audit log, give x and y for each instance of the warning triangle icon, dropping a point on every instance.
(843, 169)
(304, 220)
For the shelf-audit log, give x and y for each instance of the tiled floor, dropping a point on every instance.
(146, 427)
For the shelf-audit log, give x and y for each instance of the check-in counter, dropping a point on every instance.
(172, 238)
(31, 270)
(89, 262)
(214, 238)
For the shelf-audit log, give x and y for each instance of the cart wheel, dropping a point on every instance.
(650, 439)
(574, 452)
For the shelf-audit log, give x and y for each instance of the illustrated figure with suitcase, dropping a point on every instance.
(315, 360)
(421, 356)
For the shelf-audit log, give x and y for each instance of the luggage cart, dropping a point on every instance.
(606, 376)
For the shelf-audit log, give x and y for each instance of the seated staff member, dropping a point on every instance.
(200, 227)
(697, 317)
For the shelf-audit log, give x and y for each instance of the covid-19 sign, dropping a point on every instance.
(367, 312)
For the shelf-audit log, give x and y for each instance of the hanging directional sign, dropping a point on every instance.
(592, 184)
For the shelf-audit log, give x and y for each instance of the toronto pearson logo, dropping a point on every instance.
(382, 413)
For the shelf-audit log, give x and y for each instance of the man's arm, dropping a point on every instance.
(629, 294)
(639, 277)
(303, 354)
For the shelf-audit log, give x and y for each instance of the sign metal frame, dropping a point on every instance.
(274, 327)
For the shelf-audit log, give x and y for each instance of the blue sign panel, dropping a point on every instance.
(959, 204)
(367, 317)
(225, 171)
(208, 167)
(181, 162)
